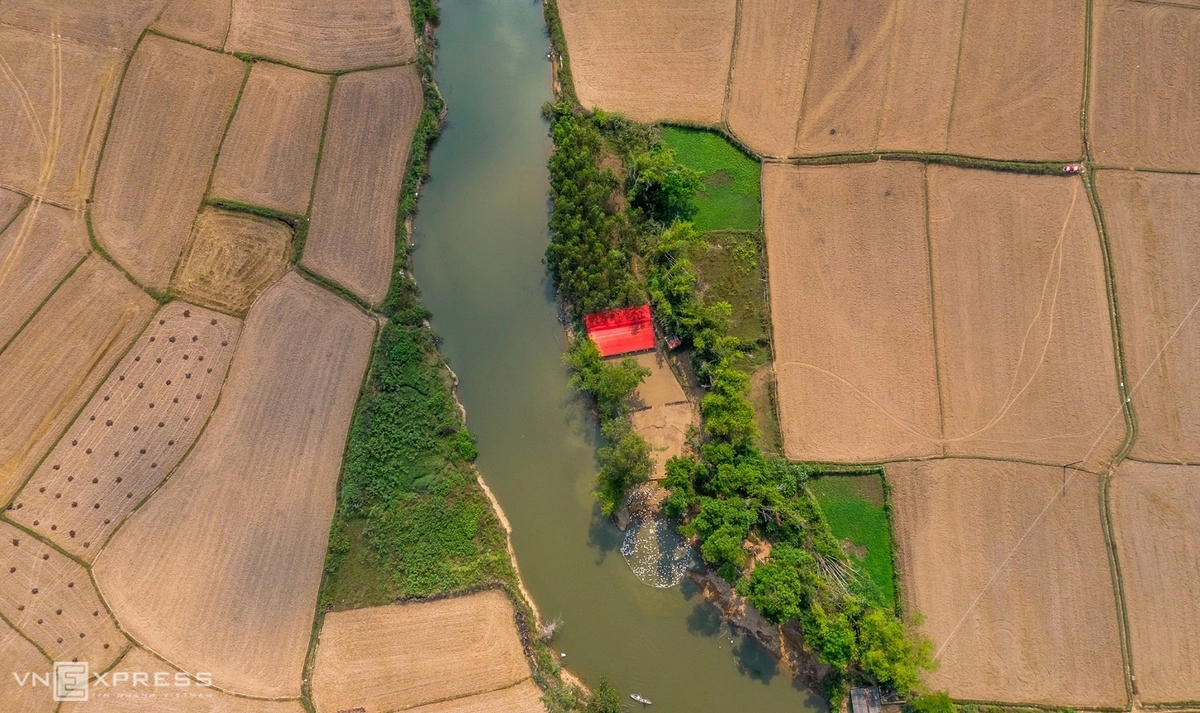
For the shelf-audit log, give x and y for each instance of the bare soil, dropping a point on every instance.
(49, 598)
(400, 656)
(665, 428)
(1145, 69)
(204, 22)
(1007, 564)
(1020, 83)
(352, 239)
(219, 571)
(678, 51)
(1156, 517)
(133, 432)
(232, 258)
(269, 156)
(174, 105)
(660, 387)
(328, 36)
(851, 309)
(54, 107)
(769, 70)
(1151, 221)
(1024, 346)
(37, 251)
(52, 366)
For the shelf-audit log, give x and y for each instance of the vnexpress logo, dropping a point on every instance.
(70, 681)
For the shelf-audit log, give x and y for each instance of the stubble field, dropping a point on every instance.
(37, 250)
(205, 22)
(219, 571)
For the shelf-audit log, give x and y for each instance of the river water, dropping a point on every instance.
(479, 236)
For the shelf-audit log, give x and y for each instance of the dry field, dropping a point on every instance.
(525, 697)
(135, 429)
(1020, 83)
(204, 22)
(678, 51)
(37, 251)
(1156, 516)
(123, 695)
(400, 656)
(1010, 572)
(96, 22)
(232, 258)
(327, 36)
(1024, 346)
(1144, 101)
(770, 64)
(661, 387)
(52, 366)
(1151, 220)
(665, 429)
(846, 75)
(175, 102)
(352, 239)
(49, 597)
(18, 655)
(922, 67)
(851, 309)
(219, 571)
(11, 204)
(270, 154)
(53, 110)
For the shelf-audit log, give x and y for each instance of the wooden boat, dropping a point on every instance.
(640, 699)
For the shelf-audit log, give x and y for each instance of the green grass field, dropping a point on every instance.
(730, 267)
(730, 198)
(854, 507)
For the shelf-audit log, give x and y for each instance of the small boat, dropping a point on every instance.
(640, 699)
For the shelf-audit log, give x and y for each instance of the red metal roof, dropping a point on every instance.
(622, 330)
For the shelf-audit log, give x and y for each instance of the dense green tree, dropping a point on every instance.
(937, 702)
(605, 698)
(663, 188)
(889, 654)
(610, 385)
(624, 461)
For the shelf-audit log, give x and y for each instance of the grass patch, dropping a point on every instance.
(730, 269)
(855, 508)
(730, 197)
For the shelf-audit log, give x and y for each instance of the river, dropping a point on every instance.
(479, 236)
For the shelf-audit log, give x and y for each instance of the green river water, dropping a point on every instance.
(480, 235)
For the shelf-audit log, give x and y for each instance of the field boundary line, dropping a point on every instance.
(25, 203)
(447, 699)
(336, 288)
(39, 198)
(1150, 461)
(962, 40)
(1089, 41)
(1180, 5)
(1137, 169)
(812, 48)
(151, 30)
(38, 308)
(937, 367)
(298, 246)
(737, 32)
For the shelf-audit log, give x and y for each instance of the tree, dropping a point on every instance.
(937, 702)
(609, 384)
(625, 461)
(888, 654)
(775, 590)
(664, 189)
(605, 698)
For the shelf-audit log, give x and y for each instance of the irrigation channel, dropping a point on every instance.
(480, 235)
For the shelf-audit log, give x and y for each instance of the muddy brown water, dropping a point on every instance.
(479, 236)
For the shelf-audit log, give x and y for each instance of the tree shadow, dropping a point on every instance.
(754, 660)
(603, 535)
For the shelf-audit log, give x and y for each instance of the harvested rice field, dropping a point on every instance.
(1156, 517)
(1020, 84)
(53, 110)
(49, 370)
(525, 697)
(18, 654)
(850, 303)
(1152, 220)
(11, 203)
(174, 105)
(269, 156)
(352, 240)
(132, 433)
(231, 258)
(37, 251)
(93, 22)
(1025, 351)
(50, 599)
(350, 34)
(1007, 564)
(1144, 102)
(219, 570)
(125, 694)
(678, 50)
(401, 656)
(204, 22)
